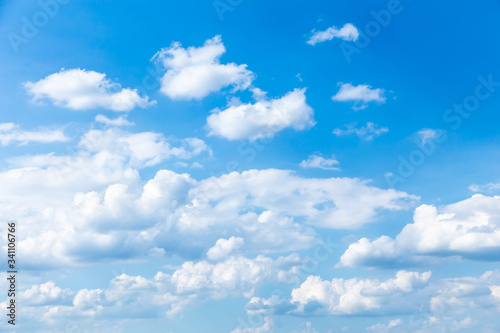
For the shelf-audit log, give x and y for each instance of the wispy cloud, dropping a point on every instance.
(348, 33)
(365, 133)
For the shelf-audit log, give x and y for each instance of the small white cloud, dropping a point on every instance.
(426, 134)
(385, 328)
(262, 119)
(365, 133)
(315, 161)
(120, 121)
(360, 94)
(80, 89)
(490, 187)
(348, 33)
(9, 133)
(195, 72)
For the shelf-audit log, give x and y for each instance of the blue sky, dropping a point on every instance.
(252, 166)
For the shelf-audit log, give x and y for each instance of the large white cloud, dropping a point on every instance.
(98, 203)
(81, 89)
(196, 72)
(262, 119)
(469, 229)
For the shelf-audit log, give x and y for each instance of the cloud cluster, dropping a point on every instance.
(98, 203)
(139, 297)
(81, 89)
(347, 297)
(468, 229)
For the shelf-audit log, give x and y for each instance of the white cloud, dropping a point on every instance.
(385, 328)
(426, 134)
(467, 229)
(365, 133)
(10, 132)
(46, 294)
(196, 72)
(224, 247)
(315, 161)
(130, 297)
(349, 297)
(360, 94)
(348, 33)
(490, 187)
(120, 121)
(262, 119)
(146, 148)
(80, 89)
(98, 202)
(433, 305)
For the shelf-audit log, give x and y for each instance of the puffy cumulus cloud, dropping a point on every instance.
(432, 305)
(99, 208)
(45, 294)
(468, 229)
(463, 304)
(349, 296)
(269, 209)
(10, 133)
(320, 202)
(365, 133)
(361, 95)
(352, 296)
(137, 297)
(348, 33)
(80, 89)
(316, 161)
(120, 121)
(263, 119)
(224, 247)
(196, 72)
